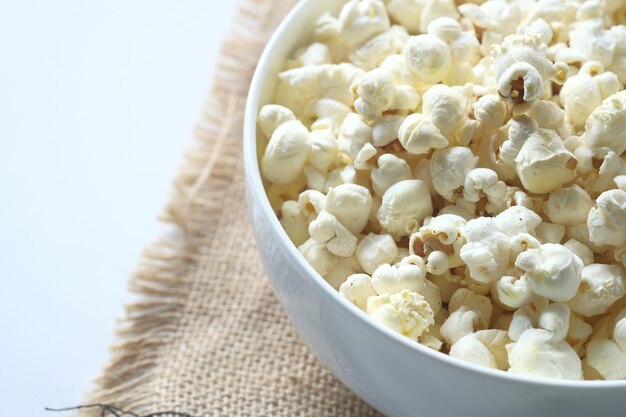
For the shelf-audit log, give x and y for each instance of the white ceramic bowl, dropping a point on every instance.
(395, 375)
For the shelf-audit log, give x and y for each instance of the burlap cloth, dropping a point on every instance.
(207, 336)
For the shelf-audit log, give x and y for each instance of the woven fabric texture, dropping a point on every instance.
(207, 336)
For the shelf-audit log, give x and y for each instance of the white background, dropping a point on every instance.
(98, 100)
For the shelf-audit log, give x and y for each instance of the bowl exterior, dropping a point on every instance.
(394, 375)
(396, 379)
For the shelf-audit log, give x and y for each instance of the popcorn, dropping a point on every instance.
(457, 170)
(327, 229)
(311, 203)
(552, 11)
(578, 334)
(447, 108)
(483, 181)
(350, 204)
(344, 267)
(548, 115)
(286, 153)
(323, 150)
(611, 167)
(520, 129)
(354, 133)
(543, 352)
(490, 111)
(438, 263)
(316, 254)
(484, 70)
(408, 274)
(326, 30)
(517, 219)
(447, 283)
(551, 271)
(584, 92)
(326, 114)
(421, 171)
(514, 291)
(434, 9)
(428, 57)
(543, 163)
(469, 312)
(568, 206)
(294, 222)
(522, 68)
(271, 116)
(480, 288)
(486, 252)
(376, 93)
(338, 176)
(517, 197)
(360, 20)
(406, 12)
(373, 52)
(606, 126)
(364, 157)
(404, 206)
(440, 240)
(589, 38)
(525, 318)
(497, 16)
(390, 171)
(606, 351)
(488, 153)
(300, 86)
(581, 250)
(358, 288)
(463, 46)
(405, 312)
(448, 169)
(315, 180)
(315, 54)
(537, 27)
(550, 232)
(580, 232)
(607, 221)
(400, 70)
(376, 250)
(601, 286)
(583, 155)
(520, 242)
(385, 130)
(618, 65)
(418, 135)
(485, 347)
(459, 209)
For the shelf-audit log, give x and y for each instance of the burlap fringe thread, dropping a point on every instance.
(164, 281)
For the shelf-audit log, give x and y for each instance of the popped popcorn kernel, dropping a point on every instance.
(406, 312)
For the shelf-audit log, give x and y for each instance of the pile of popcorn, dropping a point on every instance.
(457, 171)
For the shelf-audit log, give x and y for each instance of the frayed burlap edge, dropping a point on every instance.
(166, 268)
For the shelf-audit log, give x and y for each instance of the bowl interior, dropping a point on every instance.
(294, 32)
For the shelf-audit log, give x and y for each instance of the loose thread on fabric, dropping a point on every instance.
(118, 412)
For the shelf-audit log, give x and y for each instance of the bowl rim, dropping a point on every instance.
(255, 187)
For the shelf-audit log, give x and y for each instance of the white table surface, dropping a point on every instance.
(98, 100)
